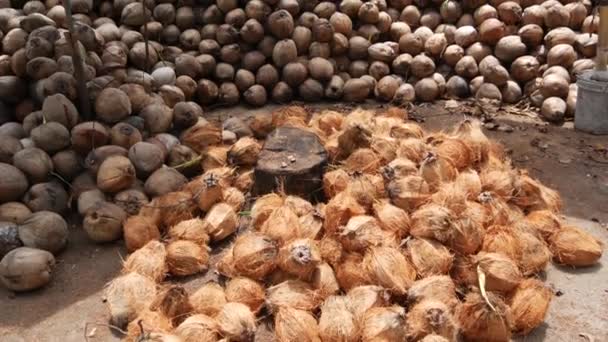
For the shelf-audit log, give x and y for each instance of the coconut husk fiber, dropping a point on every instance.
(575, 247)
(192, 229)
(399, 168)
(150, 322)
(198, 328)
(311, 224)
(331, 250)
(434, 222)
(480, 322)
(300, 257)
(502, 273)
(363, 160)
(337, 322)
(186, 257)
(366, 188)
(429, 257)
(254, 255)
(389, 268)
(455, 150)
(361, 299)
(438, 287)
(172, 302)
(149, 261)
(176, 207)
(362, 232)
(236, 322)
(246, 291)
(384, 324)
(505, 240)
(408, 193)
(431, 317)
(234, 197)
(464, 270)
(436, 170)
(208, 299)
(263, 207)
(533, 195)
(221, 221)
(392, 218)
(470, 132)
(339, 210)
(138, 231)
(293, 324)
(529, 303)
(349, 272)
(299, 205)
(535, 254)
(128, 295)
(324, 280)
(334, 182)
(543, 222)
(294, 294)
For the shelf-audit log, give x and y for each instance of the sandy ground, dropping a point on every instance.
(574, 163)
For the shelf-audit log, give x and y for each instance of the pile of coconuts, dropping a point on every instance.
(422, 236)
(228, 51)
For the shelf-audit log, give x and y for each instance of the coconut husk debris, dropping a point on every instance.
(395, 263)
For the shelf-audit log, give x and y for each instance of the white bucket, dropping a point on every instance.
(591, 114)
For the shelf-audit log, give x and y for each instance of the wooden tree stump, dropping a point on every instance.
(292, 160)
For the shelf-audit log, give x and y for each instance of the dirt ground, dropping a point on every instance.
(574, 163)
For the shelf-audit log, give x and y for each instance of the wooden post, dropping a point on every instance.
(83, 93)
(601, 63)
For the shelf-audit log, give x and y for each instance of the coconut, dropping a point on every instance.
(501, 272)
(148, 261)
(291, 324)
(384, 324)
(254, 255)
(535, 253)
(334, 182)
(131, 200)
(244, 152)
(542, 222)
(246, 291)
(164, 181)
(336, 322)
(399, 168)
(389, 268)
(15, 212)
(294, 294)
(348, 272)
(138, 231)
(13, 183)
(299, 257)
(363, 160)
(504, 240)
(44, 230)
(193, 229)
(435, 222)
(116, 173)
(236, 322)
(422, 66)
(429, 257)
(575, 247)
(485, 319)
(434, 288)
(186, 258)
(411, 148)
(391, 218)
(529, 304)
(128, 295)
(34, 163)
(533, 195)
(198, 328)
(508, 48)
(221, 221)
(281, 217)
(103, 222)
(172, 302)
(208, 299)
(431, 316)
(149, 326)
(25, 269)
(409, 192)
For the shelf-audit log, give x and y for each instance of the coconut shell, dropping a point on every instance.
(131, 200)
(529, 304)
(138, 231)
(429, 257)
(293, 324)
(254, 255)
(236, 322)
(274, 226)
(294, 294)
(34, 163)
(349, 274)
(186, 258)
(103, 222)
(198, 328)
(575, 247)
(25, 269)
(15, 212)
(44, 230)
(501, 272)
(409, 192)
(431, 316)
(336, 322)
(479, 322)
(208, 299)
(384, 324)
(116, 173)
(164, 181)
(127, 295)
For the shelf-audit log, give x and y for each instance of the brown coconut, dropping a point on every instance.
(172, 302)
(299, 257)
(175, 207)
(186, 258)
(542, 222)
(281, 217)
(293, 294)
(246, 291)
(209, 299)
(389, 268)
(127, 295)
(221, 221)
(116, 173)
(324, 280)
(431, 316)
(236, 322)
(331, 250)
(481, 322)
(504, 240)
(535, 253)
(244, 152)
(429, 257)
(392, 218)
(434, 288)
(291, 324)
(198, 328)
(501, 272)
(362, 232)
(384, 324)
(409, 192)
(103, 222)
(349, 274)
(575, 247)
(336, 322)
(202, 135)
(148, 261)
(529, 304)
(254, 255)
(435, 222)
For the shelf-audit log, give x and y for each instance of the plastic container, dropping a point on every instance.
(591, 105)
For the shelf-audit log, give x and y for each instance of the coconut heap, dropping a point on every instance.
(422, 237)
(225, 51)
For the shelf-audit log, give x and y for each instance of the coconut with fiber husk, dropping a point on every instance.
(544, 223)
(436, 170)
(236, 322)
(209, 299)
(470, 132)
(215, 156)
(348, 271)
(148, 261)
(573, 246)
(533, 195)
(186, 257)
(44, 230)
(164, 181)
(127, 295)
(485, 319)
(362, 232)
(175, 207)
(194, 229)
(384, 324)
(454, 150)
(254, 255)
(366, 189)
(244, 152)
(500, 271)
(363, 160)
(336, 322)
(291, 324)
(529, 303)
(392, 218)
(221, 221)
(131, 200)
(198, 328)
(300, 206)
(246, 291)
(138, 231)
(504, 240)
(25, 269)
(389, 268)
(206, 191)
(103, 222)
(234, 197)
(431, 316)
(324, 280)
(202, 135)
(331, 250)
(399, 168)
(438, 287)
(293, 294)
(281, 217)
(435, 222)
(408, 192)
(149, 326)
(299, 257)
(429, 257)
(172, 302)
(535, 253)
